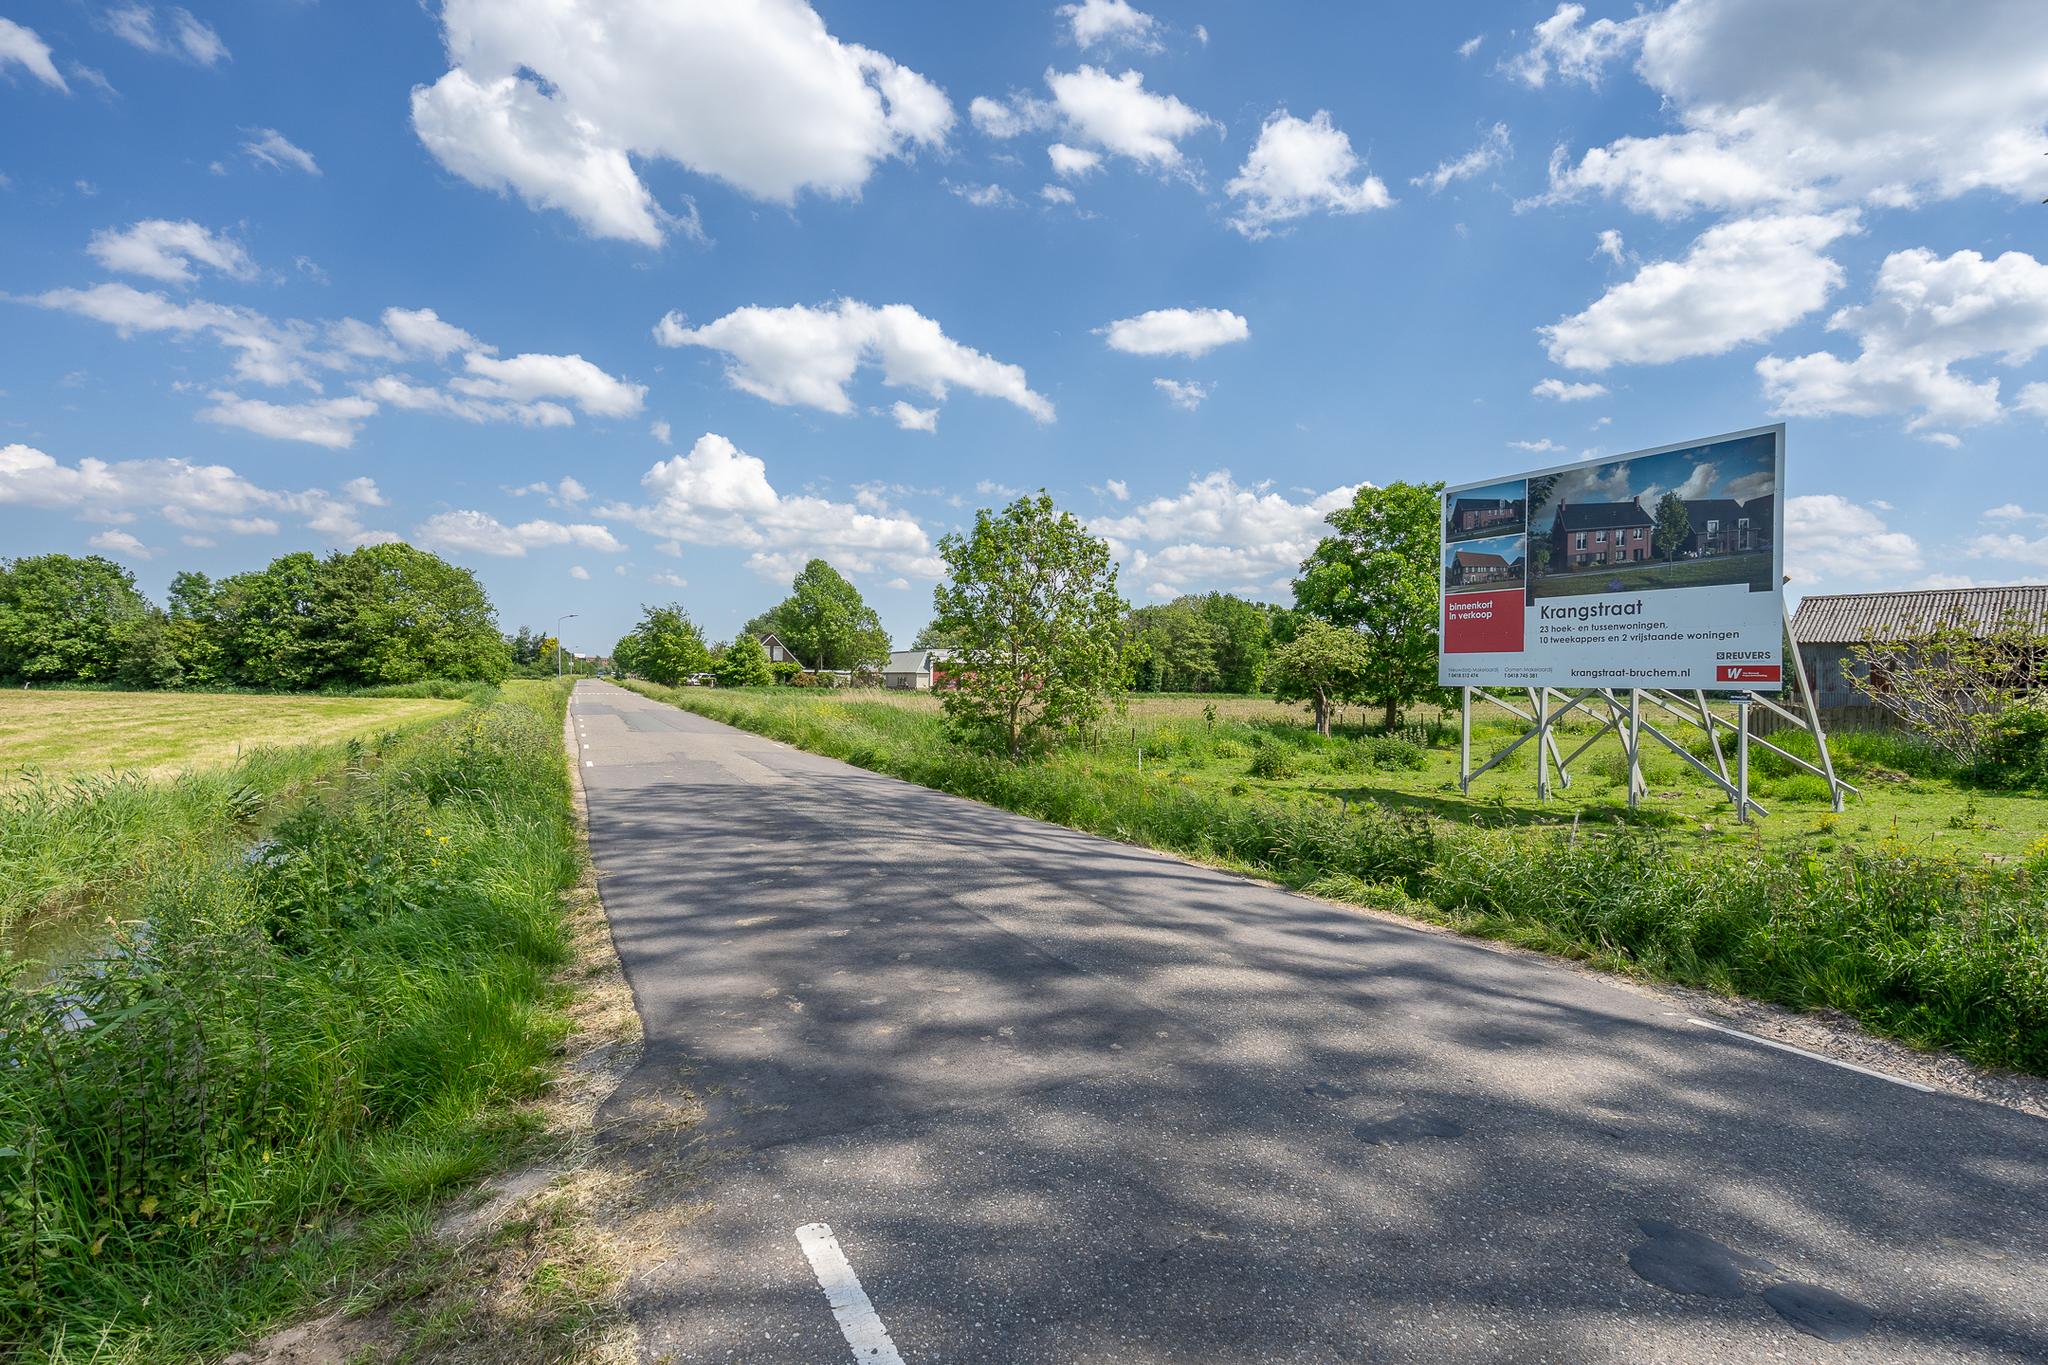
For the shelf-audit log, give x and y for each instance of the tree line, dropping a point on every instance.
(375, 616)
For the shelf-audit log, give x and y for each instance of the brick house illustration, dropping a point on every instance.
(1470, 568)
(1723, 526)
(1470, 515)
(1592, 535)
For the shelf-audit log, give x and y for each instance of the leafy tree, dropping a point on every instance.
(1379, 577)
(668, 647)
(1955, 683)
(1033, 605)
(931, 637)
(1674, 524)
(148, 658)
(1323, 665)
(825, 621)
(264, 622)
(626, 655)
(64, 618)
(743, 663)
(393, 614)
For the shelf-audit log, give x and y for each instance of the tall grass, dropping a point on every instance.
(277, 1045)
(1936, 949)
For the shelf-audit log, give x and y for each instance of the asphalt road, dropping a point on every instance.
(1058, 1099)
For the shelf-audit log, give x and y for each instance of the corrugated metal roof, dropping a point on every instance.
(908, 661)
(1845, 618)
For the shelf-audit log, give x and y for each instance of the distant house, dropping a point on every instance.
(1723, 526)
(1472, 567)
(1593, 535)
(1471, 516)
(1827, 627)
(916, 669)
(778, 653)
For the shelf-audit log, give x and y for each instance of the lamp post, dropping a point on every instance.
(565, 616)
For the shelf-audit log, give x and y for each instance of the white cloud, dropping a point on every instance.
(668, 580)
(984, 196)
(718, 494)
(196, 498)
(481, 533)
(265, 352)
(121, 543)
(1926, 314)
(660, 430)
(1056, 194)
(1009, 118)
(1739, 282)
(807, 356)
(552, 99)
(1827, 537)
(19, 46)
(1471, 45)
(1187, 332)
(1183, 394)
(1071, 163)
(1611, 246)
(1565, 392)
(330, 422)
(1493, 149)
(420, 331)
(2012, 547)
(178, 35)
(1118, 489)
(1218, 533)
(165, 250)
(579, 573)
(398, 392)
(1299, 167)
(1109, 22)
(914, 418)
(1537, 447)
(1825, 102)
(277, 151)
(530, 377)
(1112, 114)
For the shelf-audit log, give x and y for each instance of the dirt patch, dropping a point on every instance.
(529, 1267)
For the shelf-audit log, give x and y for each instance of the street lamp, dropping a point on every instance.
(565, 616)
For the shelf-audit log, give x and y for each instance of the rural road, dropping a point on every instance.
(982, 1089)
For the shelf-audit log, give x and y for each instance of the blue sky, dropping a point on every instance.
(641, 300)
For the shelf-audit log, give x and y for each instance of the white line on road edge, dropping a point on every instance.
(1815, 1056)
(858, 1322)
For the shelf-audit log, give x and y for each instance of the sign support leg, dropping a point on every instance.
(1742, 758)
(1820, 741)
(1635, 747)
(1465, 740)
(1542, 699)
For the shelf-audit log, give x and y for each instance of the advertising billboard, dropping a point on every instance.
(1659, 568)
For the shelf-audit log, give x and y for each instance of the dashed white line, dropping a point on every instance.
(1812, 1056)
(858, 1321)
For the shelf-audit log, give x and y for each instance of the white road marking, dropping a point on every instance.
(1813, 1056)
(858, 1322)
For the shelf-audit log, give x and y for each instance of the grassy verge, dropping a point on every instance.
(1934, 947)
(260, 1084)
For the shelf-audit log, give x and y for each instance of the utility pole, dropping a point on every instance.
(565, 616)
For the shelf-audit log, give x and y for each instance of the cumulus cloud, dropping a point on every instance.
(330, 422)
(1056, 194)
(1739, 282)
(527, 378)
(1926, 314)
(553, 99)
(396, 391)
(1493, 149)
(1183, 394)
(171, 32)
(193, 497)
(1828, 537)
(1821, 103)
(273, 149)
(1544, 446)
(806, 356)
(1299, 167)
(1103, 23)
(1565, 392)
(1187, 332)
(717, 494)
(20, 46)
(165, 250)
(1071, 163)
(914, 418)
(420, 331)
(1217, 533)
(474, 532)
(1096, 111)
(121, 543)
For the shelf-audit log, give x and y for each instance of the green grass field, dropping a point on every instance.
(1753, 569)
(153, 734)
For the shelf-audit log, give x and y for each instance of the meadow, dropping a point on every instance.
(62, 733)
(1922, 911)
(281, 1049)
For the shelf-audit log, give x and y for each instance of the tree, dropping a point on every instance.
(743, 663)
(1955, 682)
(392, 614)
(64, 619)
(825, 621)
(668, 648)
(1379, 577)
(1674, 524)
(1325, 666)
(1033, 606)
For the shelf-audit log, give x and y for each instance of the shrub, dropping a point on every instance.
(1393, 751)
(1272, 763)
(2015, 754)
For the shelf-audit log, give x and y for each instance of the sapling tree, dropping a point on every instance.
(1323, 665)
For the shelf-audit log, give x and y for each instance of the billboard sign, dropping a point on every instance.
(1659, 568)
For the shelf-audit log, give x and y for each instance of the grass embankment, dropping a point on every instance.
(1935, 946)
(59, 733)
(255, 1088)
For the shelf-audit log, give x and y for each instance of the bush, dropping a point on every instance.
(1393, 751)
(1272, 763)
(2015, 754)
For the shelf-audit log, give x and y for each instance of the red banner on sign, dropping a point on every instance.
(1749, 673)
(1484, 622)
